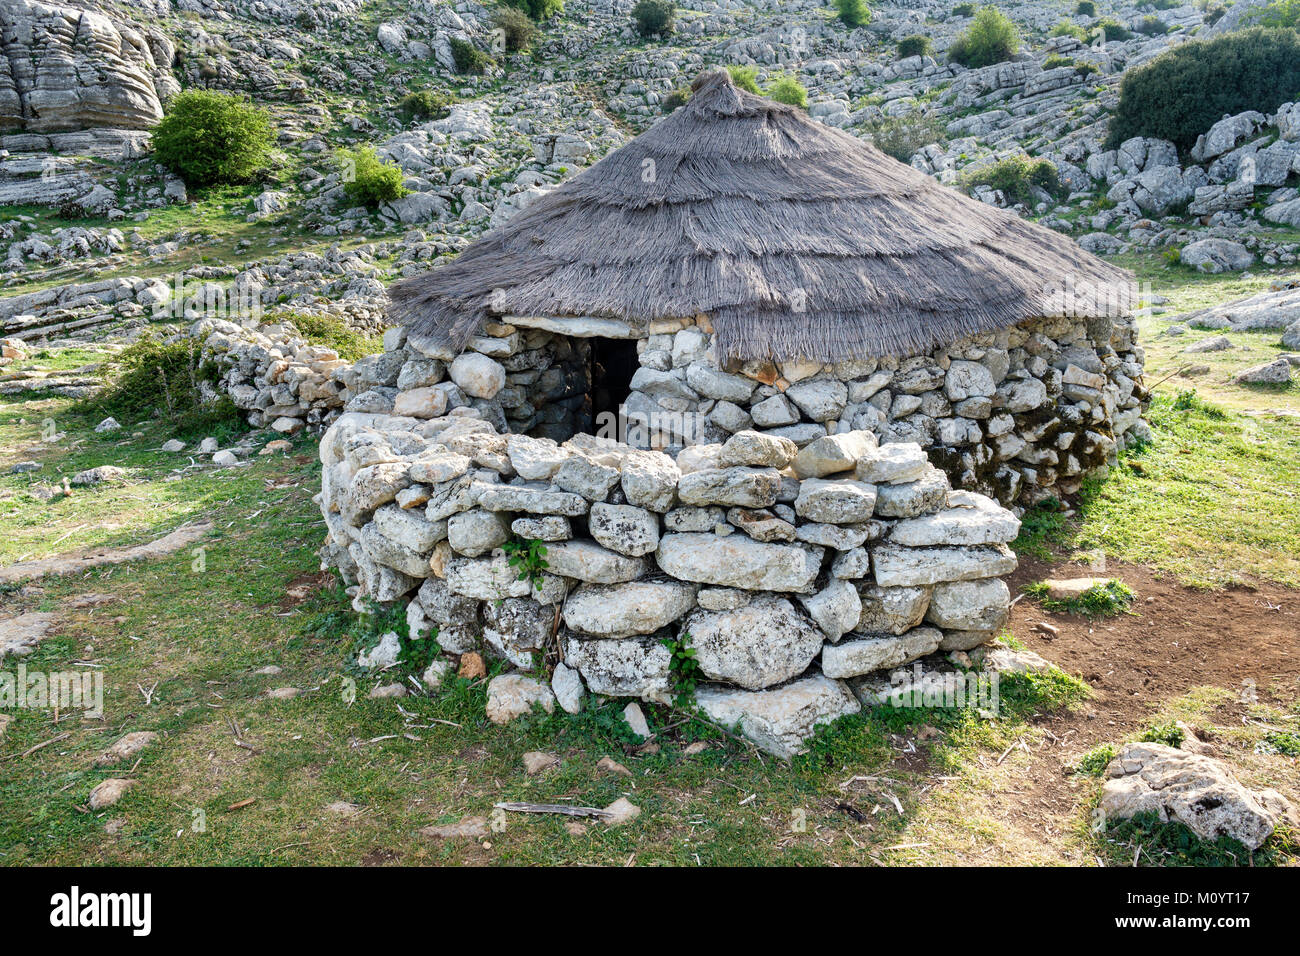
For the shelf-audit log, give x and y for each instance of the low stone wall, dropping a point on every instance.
(795, 572)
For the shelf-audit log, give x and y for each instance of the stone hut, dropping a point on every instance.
(740, 266)
(812, 344)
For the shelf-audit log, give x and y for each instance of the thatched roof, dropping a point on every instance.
(796, 239)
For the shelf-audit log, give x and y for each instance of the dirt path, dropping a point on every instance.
(1176, 639)
(72, 563)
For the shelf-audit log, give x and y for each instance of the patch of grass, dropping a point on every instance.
(1169, 734)
(1167, 503)
(1280, 742)
(1101, 600)
(327, 330)
(1173, 844)
(1096, 760)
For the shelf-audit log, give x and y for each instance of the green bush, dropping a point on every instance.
(853, 13)
(1015, 177)
(916, 45)
(745, 77)
(787, 89)
(333, 333)
(1056, 61)
(1111, 30)
(964, 10)
(1280, 15)
(991, 38)
(678, 97)
(1067, 29)
(426, 105)
(1181, 94)
(518, 27)
(654, 17)
(212, 138)
(538, 10)
(1152, 26)
(1086, 8)
(901, 136)
(368, 180)
(166, 380)
(468, 57)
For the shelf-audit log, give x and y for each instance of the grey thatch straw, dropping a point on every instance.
(796, 239)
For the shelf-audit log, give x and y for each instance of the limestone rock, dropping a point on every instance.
(781, 719)
(1194, 789)
(760, 644)
(626, 529)
(627, 667)
(833, 454)
(876, 652)
(513, 695)
(900, 566)
(622, 610)
(980, 605)
(738, 561)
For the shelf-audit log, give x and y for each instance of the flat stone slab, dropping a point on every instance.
(623, 610)
(737, 561)
(898, 566)
(852, 658)
(975, 520)
(780, 720)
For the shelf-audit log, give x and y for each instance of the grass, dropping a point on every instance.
(1210, 499)
(1101, 600)
(194, 640)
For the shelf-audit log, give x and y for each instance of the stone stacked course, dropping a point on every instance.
(794, 571)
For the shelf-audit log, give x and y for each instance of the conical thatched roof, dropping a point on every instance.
(796, 239)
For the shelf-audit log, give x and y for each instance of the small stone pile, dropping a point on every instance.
(793, 572)
(270, 372)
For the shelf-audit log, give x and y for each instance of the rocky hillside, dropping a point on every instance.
(91, 229)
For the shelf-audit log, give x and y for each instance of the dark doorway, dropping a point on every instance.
(613, 363)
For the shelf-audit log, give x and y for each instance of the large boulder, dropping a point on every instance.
(1196, 790)
(1216, 255)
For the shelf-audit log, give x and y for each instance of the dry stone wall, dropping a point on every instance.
(793, 572)
(1018, 415)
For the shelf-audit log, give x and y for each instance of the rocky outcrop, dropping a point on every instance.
(62, 68)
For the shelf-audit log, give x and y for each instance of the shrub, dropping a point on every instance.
(1279, 15)
(1067, 29)
(745, 77)
(678, 97)
(538, 10)
(333, 333)
(212, 138)
(654, 17)
(854, 13)
(1096, 760)
(1169, 734)
(167, 380)
(964, 10)
(1182, 93)
(916, 45)
(1086, 8)
(1056, 61)
(468, 57)
(426, 105)
(991, 38)
(901, 136)
(1152, 26)
(787, 89)
(1016, 177)
(368, 180)
(1112, 30)
(518, 27)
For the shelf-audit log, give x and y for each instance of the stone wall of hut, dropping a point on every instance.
(799, 576)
